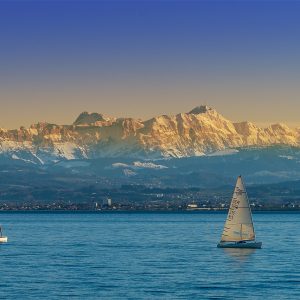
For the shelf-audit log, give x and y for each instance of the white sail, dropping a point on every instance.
(239, 225)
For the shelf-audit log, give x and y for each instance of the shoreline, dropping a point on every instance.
(116, 211)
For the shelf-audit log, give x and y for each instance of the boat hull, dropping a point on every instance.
(3, 239)
(250, 245)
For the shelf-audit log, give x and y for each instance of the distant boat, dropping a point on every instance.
(239, 230)
(3, 239)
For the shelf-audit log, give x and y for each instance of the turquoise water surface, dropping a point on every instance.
(146, 256)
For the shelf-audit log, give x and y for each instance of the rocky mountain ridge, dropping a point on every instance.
(200, 132)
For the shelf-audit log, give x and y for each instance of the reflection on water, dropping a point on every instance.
(239, 254)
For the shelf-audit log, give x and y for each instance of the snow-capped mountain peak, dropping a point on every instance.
(200, 110)
(201, 131)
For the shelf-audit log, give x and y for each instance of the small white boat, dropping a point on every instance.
(239, 230)
(3, 239)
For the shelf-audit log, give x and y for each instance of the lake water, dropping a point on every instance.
(146, 256)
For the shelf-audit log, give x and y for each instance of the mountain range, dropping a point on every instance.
(99, 155)
(200, 132)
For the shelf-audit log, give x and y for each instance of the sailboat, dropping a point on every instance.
(239, 230)
(3, 239)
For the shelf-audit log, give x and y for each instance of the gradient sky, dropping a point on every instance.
(145, 58)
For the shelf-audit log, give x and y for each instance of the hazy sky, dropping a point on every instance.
(144, 58)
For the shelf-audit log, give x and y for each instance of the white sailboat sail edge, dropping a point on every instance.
(239, 225)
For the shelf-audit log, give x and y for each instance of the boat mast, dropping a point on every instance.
(241, 232)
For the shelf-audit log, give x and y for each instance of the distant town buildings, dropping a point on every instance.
(106, 203)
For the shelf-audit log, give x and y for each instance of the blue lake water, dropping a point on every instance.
(146, 256)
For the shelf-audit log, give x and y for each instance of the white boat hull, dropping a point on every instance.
(246, 245)
(3, 239)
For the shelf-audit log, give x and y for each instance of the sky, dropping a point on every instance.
(146, 58)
